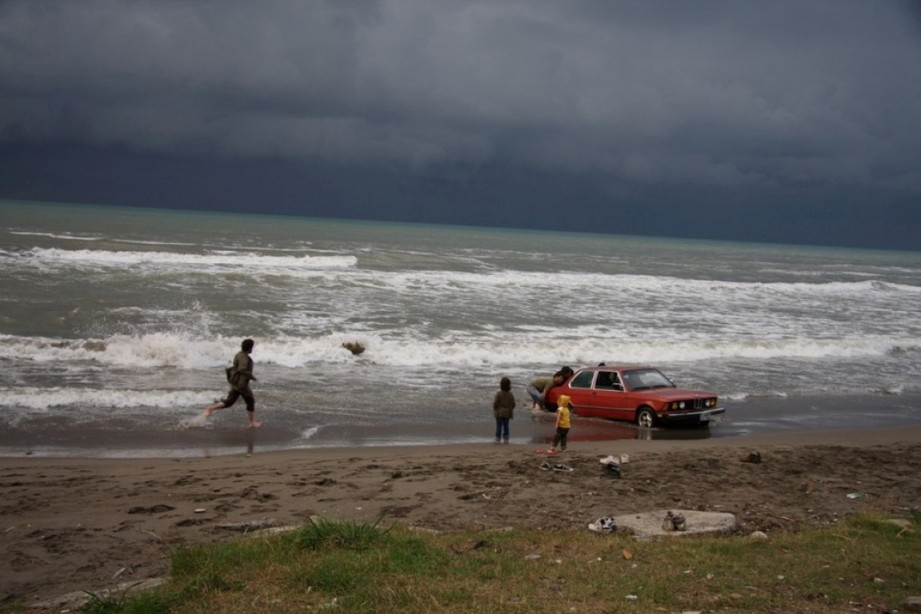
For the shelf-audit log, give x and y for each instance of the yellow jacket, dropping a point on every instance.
(562, 412)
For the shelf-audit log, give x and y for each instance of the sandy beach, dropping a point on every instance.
(86, 524)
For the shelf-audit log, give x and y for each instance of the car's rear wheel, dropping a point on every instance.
(645, 417)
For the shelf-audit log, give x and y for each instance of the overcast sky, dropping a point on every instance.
(791, 121)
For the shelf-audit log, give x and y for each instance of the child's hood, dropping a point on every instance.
(563, 400)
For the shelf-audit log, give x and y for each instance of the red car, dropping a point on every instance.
(637, 394)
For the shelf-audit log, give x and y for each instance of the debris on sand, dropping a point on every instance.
(252, 525)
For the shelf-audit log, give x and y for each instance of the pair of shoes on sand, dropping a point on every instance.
(605, 524)
(556, 467)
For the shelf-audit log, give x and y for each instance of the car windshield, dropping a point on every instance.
(646, 379)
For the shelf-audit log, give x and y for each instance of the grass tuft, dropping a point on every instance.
(348, 535)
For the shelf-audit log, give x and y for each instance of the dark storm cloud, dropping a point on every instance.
(823, 95)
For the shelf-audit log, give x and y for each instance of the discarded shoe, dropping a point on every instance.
(679, 522)
(562, 467)
(613, 469)
(668, 523)
(545, 466)
(604, 524)
(753, 457)
(674, 522)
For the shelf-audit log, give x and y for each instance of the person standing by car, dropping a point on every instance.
(239, 376)
(503, 408)
(563, 424)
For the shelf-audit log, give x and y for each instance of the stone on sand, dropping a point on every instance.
(649, 524)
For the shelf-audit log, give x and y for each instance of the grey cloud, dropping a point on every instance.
(708, 93)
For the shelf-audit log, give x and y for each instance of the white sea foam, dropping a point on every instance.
(57, 397)
(181, 260)
(196, 421)
(309, 433)
(184, 351)
(434, 282)
(51, 235)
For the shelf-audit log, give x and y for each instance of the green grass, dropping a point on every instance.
(864, 563)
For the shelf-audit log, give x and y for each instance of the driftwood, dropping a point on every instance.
(354, 347)
(251, 525)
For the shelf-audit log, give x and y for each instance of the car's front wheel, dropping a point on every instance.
(645, 417)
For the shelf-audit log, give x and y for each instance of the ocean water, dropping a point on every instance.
(116, 325)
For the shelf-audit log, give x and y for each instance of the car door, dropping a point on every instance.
(609, 397)
(579, 389)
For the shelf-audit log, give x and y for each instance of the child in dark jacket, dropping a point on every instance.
(503, 408)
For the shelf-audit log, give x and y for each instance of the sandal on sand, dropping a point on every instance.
(545, 466)
(604, 524)
(561, 467)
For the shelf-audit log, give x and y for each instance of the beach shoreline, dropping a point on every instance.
(192, 436)
(80, 523)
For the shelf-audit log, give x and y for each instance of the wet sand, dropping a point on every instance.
(193, 436)
(85, 524)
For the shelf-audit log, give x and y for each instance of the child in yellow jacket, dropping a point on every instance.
(563, 424)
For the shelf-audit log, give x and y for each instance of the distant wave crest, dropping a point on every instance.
(184, 260)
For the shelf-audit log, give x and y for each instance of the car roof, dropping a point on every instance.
(624, 367)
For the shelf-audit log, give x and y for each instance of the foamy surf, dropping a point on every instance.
(309, 433)
(214, 262)
(44, 399)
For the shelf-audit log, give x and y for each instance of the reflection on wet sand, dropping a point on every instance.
(599, 429)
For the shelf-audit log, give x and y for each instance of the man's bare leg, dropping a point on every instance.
(213, 408)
